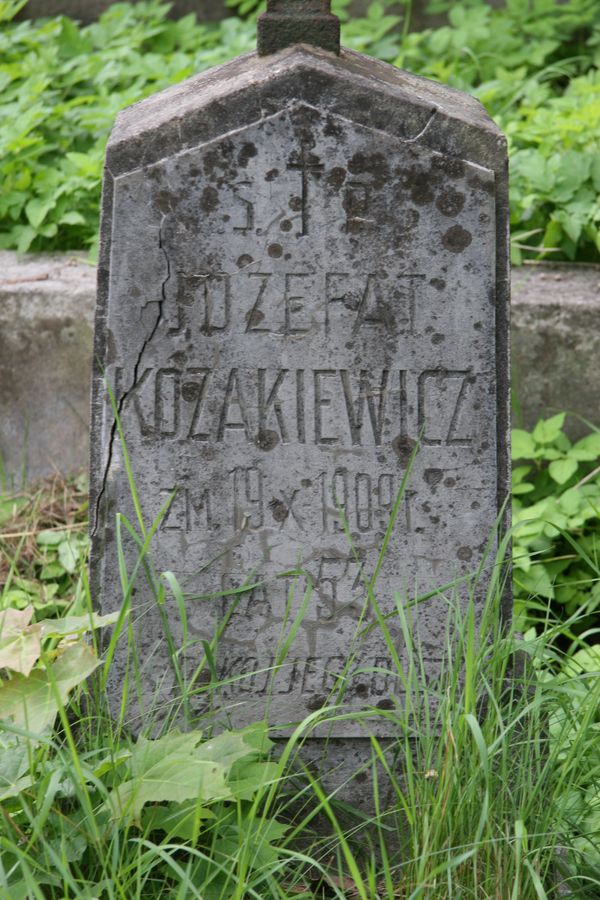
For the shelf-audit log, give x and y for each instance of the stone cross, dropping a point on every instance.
(303, 282)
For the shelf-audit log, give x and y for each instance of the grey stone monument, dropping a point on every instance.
(303, 273)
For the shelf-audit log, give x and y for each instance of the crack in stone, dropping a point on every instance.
(425, 127)
(136, 369)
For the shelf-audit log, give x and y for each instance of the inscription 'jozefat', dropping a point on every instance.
(290, 305)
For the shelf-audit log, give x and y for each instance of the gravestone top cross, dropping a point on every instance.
(288, 22)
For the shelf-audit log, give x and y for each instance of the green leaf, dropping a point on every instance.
(30, 702)
(522, 444)
(71, 218)
(548, 430)
(75, 625)
(562, 469)
(571, 501)
(50, 538)
(51, 571)
(68, 556)
(180, 820)
(168, 769)
(37, 210)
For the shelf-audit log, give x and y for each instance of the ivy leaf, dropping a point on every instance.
(562, 469)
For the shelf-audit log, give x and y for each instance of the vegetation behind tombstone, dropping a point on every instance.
(534, 64)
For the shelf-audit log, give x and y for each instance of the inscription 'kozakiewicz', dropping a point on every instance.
(319, 406)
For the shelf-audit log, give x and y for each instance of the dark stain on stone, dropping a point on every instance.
(336, 178)
(165, 202)
(275, 251)
(403, 446)
(374, 164)
(487, 186)
(478, 326)
(433, 476)
(475, 504)
(271, 174)
(438, 283)
(450, 202)
(306, 482)
(421, 191)
(457, 239)
(438, 338)
(210, 199)
(254, 317)
(385, 704)
(454, 168)
(465, 553)
(285, 225)
(246, 153)
(332, 128)
(244, 260)
(190, 391)
(279, 510)
(450, 482)
(266, 440)
(316, 702)
(295, 204)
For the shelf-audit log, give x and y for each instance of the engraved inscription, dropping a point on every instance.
(296, 334)
(308, 164)
(325, 407)
(258, 301)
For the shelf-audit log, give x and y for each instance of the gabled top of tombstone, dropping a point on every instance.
(253, 86)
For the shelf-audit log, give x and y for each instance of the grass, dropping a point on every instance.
(492, 767)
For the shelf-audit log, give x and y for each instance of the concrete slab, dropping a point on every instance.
(556, 343)
(46, 326)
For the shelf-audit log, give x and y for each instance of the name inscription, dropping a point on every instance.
(325, 406)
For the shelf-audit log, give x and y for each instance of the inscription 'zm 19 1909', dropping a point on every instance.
(289, 310)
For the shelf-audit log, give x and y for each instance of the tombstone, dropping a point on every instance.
(303, 275)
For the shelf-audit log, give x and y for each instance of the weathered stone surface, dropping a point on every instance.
(289, 22)
(303, 270)
(46, 320)
(556, 344)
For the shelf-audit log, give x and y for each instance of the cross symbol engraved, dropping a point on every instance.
(305, 163)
